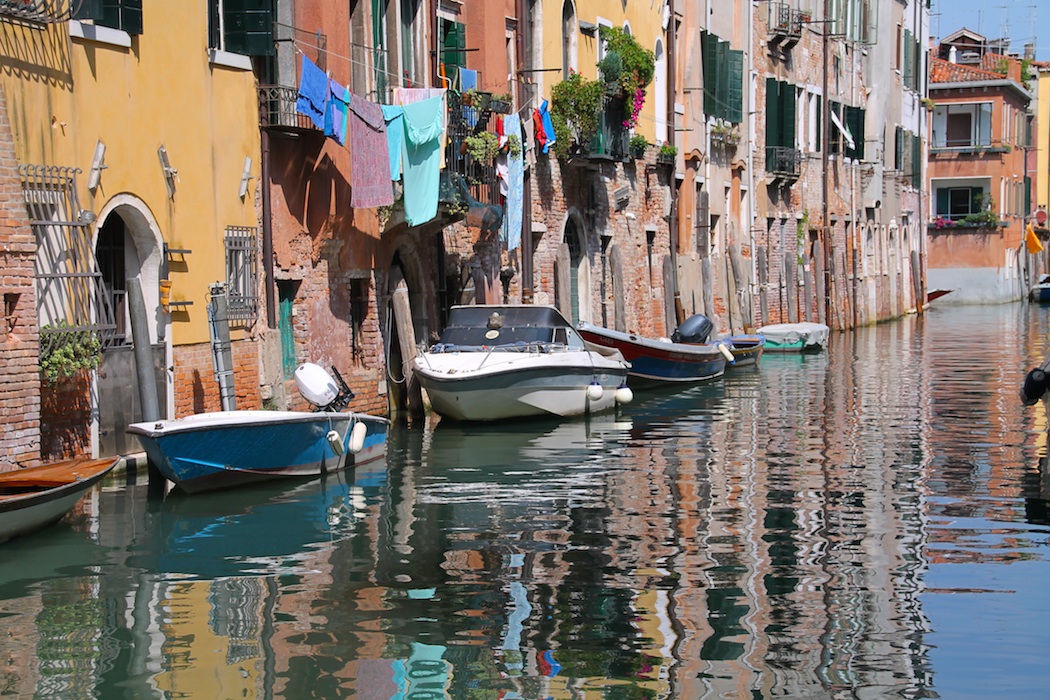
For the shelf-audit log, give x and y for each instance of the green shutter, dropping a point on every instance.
(735, 109)
(909, 58)
(773, 112)
(710, 42)
(975, 199)
(722, 90)
(942, 202)
(787, 111)
(88, 9)
(855, 124)
(249, 27)
(453, 43)
(1027, 196)
(916, 163)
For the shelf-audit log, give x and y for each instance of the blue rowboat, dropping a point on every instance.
(229, 448)
(221, 449)
(655, 362)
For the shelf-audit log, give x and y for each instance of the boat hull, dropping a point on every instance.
(746, 349)
(656, 362)
(24, 511)
(795, 337)
(1040, 293)
(229, 448)
(480, 386)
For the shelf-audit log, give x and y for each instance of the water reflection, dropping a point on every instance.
(871, 521)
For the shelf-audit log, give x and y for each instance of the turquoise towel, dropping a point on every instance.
(424, 126)
(395, 137)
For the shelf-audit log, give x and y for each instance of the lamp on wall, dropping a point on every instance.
(246, 176)
(98, 164)
(170, 173)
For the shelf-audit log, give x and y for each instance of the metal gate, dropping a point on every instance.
(118, 398)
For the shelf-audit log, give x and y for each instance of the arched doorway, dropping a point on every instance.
(128, 245)
(407, 324)
(579, 270)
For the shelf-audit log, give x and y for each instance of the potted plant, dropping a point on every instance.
(666, 154)
(476, 99)
(637, 67)
(637, 146)
(576, 105)
(501, 103)
(514, 146)
(482, 147)
(725, 133)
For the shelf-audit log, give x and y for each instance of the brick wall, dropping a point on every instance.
(65, 418)
(196, 390)
(19, 342)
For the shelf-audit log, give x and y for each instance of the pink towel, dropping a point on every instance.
(369, 158)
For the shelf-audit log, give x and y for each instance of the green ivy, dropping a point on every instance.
(66, 353)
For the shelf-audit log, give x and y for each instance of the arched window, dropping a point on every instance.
(568, 38)
(660, 92)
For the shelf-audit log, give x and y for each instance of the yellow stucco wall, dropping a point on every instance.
(645, 21)
(65, 93)
(1041, 195)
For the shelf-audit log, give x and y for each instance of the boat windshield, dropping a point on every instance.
(508, 328)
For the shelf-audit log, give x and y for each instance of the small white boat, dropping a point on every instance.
(221, 449)
(495, 362)
(795, 337)
(35, 497)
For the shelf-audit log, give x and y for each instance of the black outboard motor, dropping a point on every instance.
(695, 329)
(1035, 385)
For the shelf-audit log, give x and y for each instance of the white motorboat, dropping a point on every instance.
(495, 362)
(795, 337)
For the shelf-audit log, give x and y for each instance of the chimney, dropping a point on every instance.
(952, 54)
(1029, 52)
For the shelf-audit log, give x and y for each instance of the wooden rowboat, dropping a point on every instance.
(35, 497)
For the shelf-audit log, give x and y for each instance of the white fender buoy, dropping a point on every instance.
(624, 394)
(335, 441)
(595, 391)
(728, 354)
(357, 437)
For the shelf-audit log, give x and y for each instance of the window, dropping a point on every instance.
(568, 39)
(962, 125)
(241, 26)
(125, 15)
(242, 272)
(957, 202)
(453, 42)
(723, 79)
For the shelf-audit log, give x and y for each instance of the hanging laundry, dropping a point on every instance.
(514, 206)
(407, 96)
(538, 130)
(369, 155)
(394, 115)
(336, 113)
(548, 126)
(313, 93)
(424, 131)
(468, 79)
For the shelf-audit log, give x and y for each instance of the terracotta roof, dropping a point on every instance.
(942, 71)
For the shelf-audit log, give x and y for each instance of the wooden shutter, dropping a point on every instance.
(943, 202)
(453, 43)
(909, 59)
(735, 108)
(787, 115)
(855, 124)
(710, 42)
(722, 81)
(249, 27)
(773, 112)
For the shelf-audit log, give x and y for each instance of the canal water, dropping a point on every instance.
(868, 522)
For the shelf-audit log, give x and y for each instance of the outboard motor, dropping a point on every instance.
(319, 388)
(695, 329)
(1035, 385)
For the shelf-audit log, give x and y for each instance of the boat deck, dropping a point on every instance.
(48, 476)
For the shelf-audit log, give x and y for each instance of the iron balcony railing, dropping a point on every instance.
(468, 183)
(277, 109)
(783, 162)
(44, 11)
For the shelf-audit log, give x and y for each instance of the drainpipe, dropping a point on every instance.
(267, 225)
(826, 126)
(679, 312)
(521, 49)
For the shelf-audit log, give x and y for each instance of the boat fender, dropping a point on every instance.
(727, 353)
(624, 394)
(335, 442)
(595, 391)
(357, 437)
(1035, 385)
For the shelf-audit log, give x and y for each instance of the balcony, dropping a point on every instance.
(42, 11)
(785, 25)
(783, 164)
(969, 147)
(470, 187)
(277, 110)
